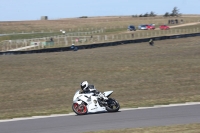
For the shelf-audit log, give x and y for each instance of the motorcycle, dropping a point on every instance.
(90, 103)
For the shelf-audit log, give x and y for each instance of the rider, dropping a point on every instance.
(91, 89)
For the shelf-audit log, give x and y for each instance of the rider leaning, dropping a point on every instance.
(91, 89)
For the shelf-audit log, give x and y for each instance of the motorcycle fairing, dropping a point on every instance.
(93, 106)
(91, 101)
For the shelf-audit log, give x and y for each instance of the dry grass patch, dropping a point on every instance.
(189, 128)
(139, 74)
(77, 23)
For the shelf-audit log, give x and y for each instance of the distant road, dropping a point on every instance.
(2, 34)
(14, 34)
(21, 33)
(144, 117)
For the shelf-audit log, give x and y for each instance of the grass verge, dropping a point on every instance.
(188, 128)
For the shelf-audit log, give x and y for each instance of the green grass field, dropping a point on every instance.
(139, 75)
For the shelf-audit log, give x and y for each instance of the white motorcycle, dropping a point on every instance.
(90, 103)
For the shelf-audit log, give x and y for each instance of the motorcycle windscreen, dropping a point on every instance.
(107, 93)
(76, 94)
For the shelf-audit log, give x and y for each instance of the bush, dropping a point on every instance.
(84, 17)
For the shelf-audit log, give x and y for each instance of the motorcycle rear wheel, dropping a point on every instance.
(112, 105)
(79, 109)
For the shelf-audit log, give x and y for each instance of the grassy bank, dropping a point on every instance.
(139, 74)
(76, 24)
(189, 128)
(110, 24)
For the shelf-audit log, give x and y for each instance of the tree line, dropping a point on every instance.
(174, 13)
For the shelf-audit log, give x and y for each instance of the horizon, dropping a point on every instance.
(23, 10)
(183, 15)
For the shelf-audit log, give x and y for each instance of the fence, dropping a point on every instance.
(81, 39)
(65, 37)
(89, 46)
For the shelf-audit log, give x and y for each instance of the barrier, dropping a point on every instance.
(89, 46)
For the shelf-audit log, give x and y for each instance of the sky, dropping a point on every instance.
(18, 10)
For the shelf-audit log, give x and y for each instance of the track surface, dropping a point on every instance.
(146, 117)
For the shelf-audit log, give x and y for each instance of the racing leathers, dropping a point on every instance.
(91, 89)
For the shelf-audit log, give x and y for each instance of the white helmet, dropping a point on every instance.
(84, 85)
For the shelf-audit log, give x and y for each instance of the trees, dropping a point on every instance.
(152, 14)
(135, 15)
(140, 15)
(174, 13)
(146, 15)
(166, 14)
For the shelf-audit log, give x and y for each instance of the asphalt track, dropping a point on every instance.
(130, 118)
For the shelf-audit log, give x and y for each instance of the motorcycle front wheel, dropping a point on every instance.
(112, 105)
(79, 109)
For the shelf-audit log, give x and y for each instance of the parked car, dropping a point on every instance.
(142, 27)
(131, 28)
(150, 27)
(164, 27)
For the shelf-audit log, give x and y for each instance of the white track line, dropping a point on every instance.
(22, 48)
(124, 109)
(162, 106)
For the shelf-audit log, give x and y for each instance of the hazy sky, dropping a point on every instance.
(55, 9)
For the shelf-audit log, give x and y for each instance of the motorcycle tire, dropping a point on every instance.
(110, 103)
(79, 109)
